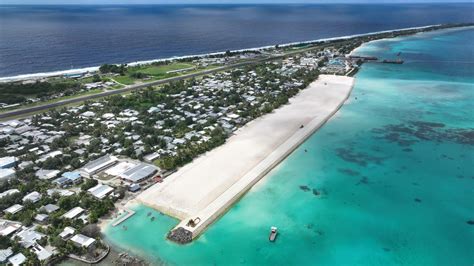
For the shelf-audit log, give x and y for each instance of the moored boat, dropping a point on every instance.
(273, 234)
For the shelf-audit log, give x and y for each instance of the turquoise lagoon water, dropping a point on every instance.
(388, 181)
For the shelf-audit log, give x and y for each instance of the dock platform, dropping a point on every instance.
(129, 214)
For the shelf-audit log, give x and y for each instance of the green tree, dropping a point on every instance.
(90, 183)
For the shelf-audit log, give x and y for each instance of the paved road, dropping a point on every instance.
(30, 110)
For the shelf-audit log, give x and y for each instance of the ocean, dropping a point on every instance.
(389, 180)
(37, 39)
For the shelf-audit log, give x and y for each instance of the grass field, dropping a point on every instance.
(161, 70)
(155, 72)
(126, 80)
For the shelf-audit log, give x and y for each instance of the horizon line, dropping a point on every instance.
(216, 3)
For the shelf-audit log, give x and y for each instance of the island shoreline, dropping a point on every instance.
(92, 69)
(203, 193)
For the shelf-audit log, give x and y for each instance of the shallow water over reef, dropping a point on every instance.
(388, 181)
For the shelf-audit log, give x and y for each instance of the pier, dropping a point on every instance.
(365, 58)
(129, 214)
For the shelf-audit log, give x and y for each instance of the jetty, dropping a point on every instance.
(365, 58)
(202, 191)
(395, 61)
(129, 214)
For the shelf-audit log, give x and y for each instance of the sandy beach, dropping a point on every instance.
(210, 184)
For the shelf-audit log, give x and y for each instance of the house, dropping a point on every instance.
(6, 174)
(100, 191)
(62, 182)
(9, 192)
(60, 192)
(49, 155)
(25, 164)
(28, 237)
(17, 259)
(83, 241)
(14, 209)
(47, 174)
(67, 233)
(73, 213)
(74, 177)
(88, 114)
(151, 157)
(41, 218)
(41, 253)
(4, 254)
(139, 173)
(8, 227)
(49, 208)
(33, 197)
(134, 187)
(98, 165)
(8, 162)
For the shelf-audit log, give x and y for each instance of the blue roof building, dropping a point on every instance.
(62, 181)
(73, 177)
(8, 162)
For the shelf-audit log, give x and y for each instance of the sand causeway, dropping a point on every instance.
(209, 185)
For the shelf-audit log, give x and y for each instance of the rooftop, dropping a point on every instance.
(50, 208)
(46, 174)
(73, 176)
(99, 163)
(6, 173)
(17, 259)
(139, 172)
(83, 240)
(4, 254)
(7, 162)
(28, 237)
(100, 191)
(14, 209)
(33, 197)
(7, 227)
(73, 213)
(67, 232)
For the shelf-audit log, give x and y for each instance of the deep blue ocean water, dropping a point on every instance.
(50, 38)
(393, 170)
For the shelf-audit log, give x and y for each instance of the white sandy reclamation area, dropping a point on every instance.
(211, 182)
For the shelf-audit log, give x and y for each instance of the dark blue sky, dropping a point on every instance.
(215, 1)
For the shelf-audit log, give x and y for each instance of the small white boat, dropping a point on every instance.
(273, 234)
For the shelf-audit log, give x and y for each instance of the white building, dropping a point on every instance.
(67, 233)
(98, 165)
(9, 192)
(139, 173)
(47, 174)
(100, 191)
(60, 192)
(73, 213)
(14, 209)
(17, 259)
(8, 227)
(7, 162)
(33, 197)
(7, 174)
(28, 237)
(41, 253)
(83, 241)
(5, 254)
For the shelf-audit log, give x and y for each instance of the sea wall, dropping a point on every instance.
(235, 192)
(204, 189)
